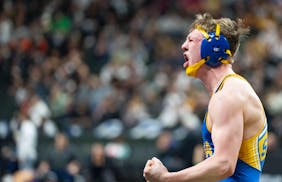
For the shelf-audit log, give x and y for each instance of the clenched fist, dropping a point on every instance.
(154, 171)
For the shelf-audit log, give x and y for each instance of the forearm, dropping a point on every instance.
(208, 170)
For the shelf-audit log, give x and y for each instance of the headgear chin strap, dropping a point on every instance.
(215, 50)
(192, 70)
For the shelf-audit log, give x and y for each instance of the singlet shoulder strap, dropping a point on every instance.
(227, 76)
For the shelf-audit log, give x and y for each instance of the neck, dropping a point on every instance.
(212, 77)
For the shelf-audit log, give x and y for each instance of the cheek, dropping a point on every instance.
(196, 53)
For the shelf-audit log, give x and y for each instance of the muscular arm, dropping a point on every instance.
(226, 116)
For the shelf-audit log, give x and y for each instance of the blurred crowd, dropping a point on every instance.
(112, 70)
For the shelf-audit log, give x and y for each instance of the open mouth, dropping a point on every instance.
(185, 64)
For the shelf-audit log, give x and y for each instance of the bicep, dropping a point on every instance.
(227, 129)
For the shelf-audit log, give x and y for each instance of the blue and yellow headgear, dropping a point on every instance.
(215, 50)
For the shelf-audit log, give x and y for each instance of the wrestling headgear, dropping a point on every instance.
(215, 50)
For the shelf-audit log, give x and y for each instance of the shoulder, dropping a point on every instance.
(231, 100)
(234, 91)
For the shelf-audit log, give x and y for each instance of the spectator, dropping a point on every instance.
(43, 172)
(60, 155)
(26, 138)
(99, 168)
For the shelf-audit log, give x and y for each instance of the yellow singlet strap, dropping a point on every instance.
(227, 76)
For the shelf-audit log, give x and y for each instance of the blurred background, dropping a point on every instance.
(90, 89)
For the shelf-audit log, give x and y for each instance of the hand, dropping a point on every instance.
(154, 170)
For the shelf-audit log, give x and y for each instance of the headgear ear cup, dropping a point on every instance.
(214, 48)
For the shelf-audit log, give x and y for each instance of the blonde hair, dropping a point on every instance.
(232, 30)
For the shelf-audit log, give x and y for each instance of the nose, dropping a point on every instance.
(184, 46)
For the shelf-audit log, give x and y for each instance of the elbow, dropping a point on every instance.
(226, 168)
